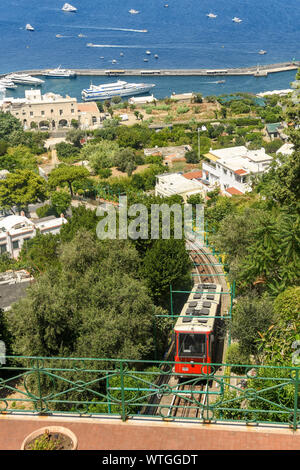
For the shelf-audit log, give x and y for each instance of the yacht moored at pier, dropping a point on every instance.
(7, 83)
(24, 79)
(119, 88)
(60, 73)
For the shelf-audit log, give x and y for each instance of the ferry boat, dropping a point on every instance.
(29, 27)
(24, 79)
(68, 7)
(119, 88)
(60, 73)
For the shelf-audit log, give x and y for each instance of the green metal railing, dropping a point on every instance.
(126, 389)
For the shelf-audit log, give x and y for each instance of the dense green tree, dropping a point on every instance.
(60, 202)
(18, 158)
(276, 344)
(81, 218)
(67, 152)
(251, 316)
(40, 253)
(166, 263)
(125, 160)
(67, 175)
(8, 124)
(90, 307)
(75, 136)
(20, 189)
(100, 155)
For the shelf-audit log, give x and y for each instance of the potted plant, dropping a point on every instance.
(50, 438)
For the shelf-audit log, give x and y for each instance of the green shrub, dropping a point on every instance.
(182, 109)
(235, 355)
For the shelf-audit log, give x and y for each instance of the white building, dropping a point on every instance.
(15, 229)
(51, 111)
(231, 168)
(169, 184)
(142, 99)
(286, 149)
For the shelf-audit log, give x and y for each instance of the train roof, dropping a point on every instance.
(203, 301)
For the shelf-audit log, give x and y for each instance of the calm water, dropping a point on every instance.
(182, 36)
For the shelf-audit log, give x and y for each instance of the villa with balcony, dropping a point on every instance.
(231, 168)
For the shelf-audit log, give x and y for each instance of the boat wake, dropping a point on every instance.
(90, 44)
(106, 28)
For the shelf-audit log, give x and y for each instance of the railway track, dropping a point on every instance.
(188, 400)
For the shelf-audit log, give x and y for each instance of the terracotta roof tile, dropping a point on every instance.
(193, 175)
(233, 191)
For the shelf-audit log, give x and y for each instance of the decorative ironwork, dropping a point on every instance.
(124, 388)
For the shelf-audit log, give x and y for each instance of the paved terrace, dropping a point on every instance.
(109, 434)
(270, 68)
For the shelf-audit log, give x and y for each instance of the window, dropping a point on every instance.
(43, 113)
(60, 112)
(15, 244)
(192, 345)
(3, 248)
(31, 113)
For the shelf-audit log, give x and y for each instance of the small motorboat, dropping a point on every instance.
(133, 12)
(236, 20)
(261, 52)
(68, 7)
(211, 15)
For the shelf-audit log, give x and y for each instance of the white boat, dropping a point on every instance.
(29, 27)
(261, 52)
(24, 79)
(148, 52)
(155, 56)
(145, 60)
(237, 20)
(81, 35)
(133, 12)
(2, 92)
(60, 73)
(7, 83)
(211, 15)
(119, 88)
(68, 7)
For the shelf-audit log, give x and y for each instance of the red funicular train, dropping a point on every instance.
(194, 333)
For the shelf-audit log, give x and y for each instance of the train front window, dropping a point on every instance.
(192, 345)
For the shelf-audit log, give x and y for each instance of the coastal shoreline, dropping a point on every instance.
(259, 70)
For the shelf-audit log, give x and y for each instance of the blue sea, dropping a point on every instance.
(182, 35)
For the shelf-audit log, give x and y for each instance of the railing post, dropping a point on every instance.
(296, 398)
(123, 414)
(171, 300)
(107, 394)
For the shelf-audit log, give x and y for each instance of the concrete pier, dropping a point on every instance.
(260, 70)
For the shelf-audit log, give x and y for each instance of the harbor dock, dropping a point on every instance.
(258, 70)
